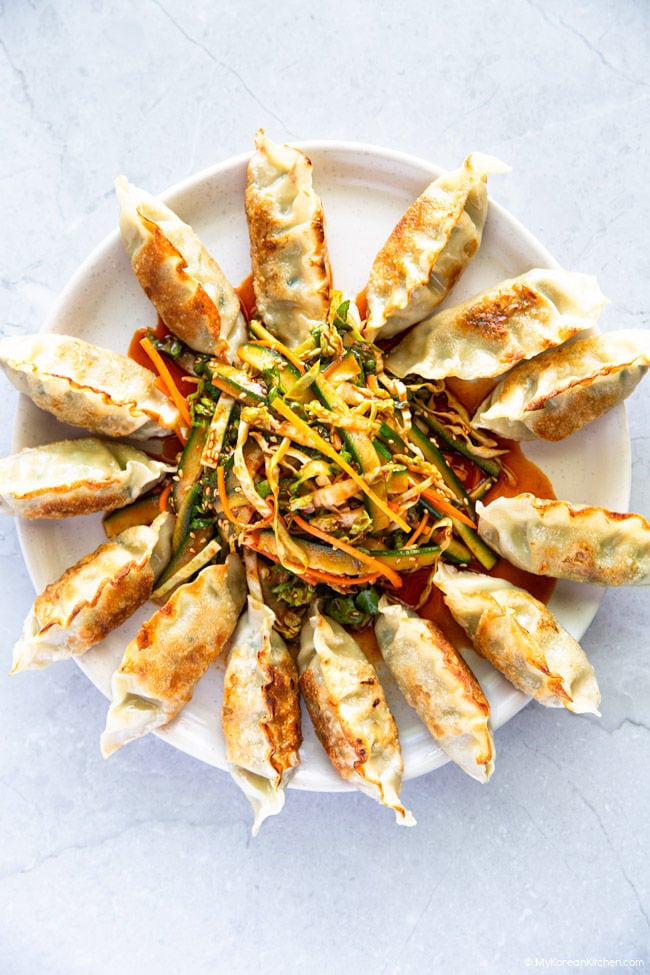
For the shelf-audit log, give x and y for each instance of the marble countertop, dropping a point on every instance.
(145, 863)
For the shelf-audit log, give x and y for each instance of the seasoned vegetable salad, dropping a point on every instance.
(341, 475)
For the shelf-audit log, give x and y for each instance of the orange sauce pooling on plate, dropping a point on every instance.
(246, 295)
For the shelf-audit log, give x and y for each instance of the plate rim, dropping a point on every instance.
(516, 700)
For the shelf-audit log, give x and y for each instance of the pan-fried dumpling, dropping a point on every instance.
(429, 248)
(291, 269)
(580, 542)
(188, 288)
(350, 713)
(85, 386)
(487, 334)
(438, 684)
(75, 477)
(261, 712)
(521, 638)
(94, 596)
(172, 651)
(563, 389)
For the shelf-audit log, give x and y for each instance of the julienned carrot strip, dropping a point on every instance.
(283, 350)
(263, 522)
(173, 391)
(315, 576)
(162, 500)
(378, 567)
(227, 507)
(272, 343)
(223, 497)
(419, 528)
(446, 507)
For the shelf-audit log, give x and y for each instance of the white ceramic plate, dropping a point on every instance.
(364, 190)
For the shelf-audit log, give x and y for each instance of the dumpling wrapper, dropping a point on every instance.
(291, 269)
(489, 333)
(86, 386)
(429, 248)
(261, 712)
(521, 638)
(583, 543)
(563, 389)
(94, 596)
(350, 713)
(186, 285)
(162, 665)
(438, 684)
(75, 477)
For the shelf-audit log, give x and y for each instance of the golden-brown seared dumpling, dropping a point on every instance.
(291, 269)
(580, 542)
(94, 596)
(188, 288)
(563, 389)
(171, 652)
(261, 712)
(438, 684)
(429, 248)
(75, 477)
(350, 713)
(487, 334)
(85, 386)
(521, 638)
